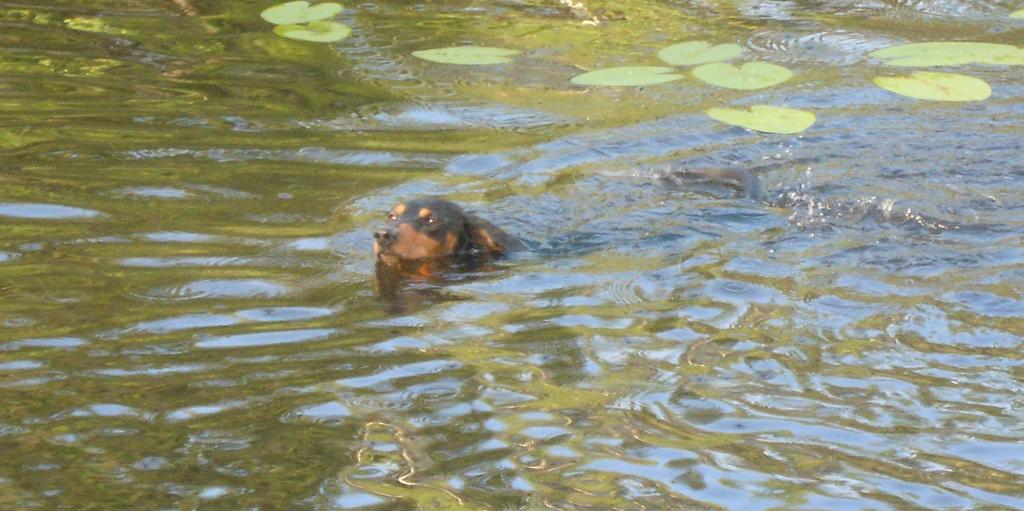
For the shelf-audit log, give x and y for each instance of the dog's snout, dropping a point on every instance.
(384, 237)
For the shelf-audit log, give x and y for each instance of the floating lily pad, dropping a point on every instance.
(627, 76)
(950, 54)
(294, 13)
(315, 31)
(766, 118)
(937, 86)
(1017, 14)
(692, 53)
(468, 55)
(752, 75)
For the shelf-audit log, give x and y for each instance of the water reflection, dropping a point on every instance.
(191, 314)
(45, 211)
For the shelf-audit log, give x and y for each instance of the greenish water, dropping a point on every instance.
(189, 318)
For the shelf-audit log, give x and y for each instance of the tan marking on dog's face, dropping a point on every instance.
(399, 209)
(412, 245)
(424, 213)
(388, 259)
(451, 243)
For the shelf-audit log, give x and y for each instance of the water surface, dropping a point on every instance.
(189, 317)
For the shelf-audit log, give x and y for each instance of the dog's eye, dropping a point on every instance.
(431, 220)
(392, 217)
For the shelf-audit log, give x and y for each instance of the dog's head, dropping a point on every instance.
(428, 230)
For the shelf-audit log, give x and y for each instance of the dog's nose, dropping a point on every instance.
(384, 237)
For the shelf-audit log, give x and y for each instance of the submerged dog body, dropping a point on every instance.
(425, 233)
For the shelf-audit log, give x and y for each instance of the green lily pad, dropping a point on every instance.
(936, 86)
(627, 76)
(294, 13)
(692, 53)
(950, 54)
(315, 31)
(752, 75)
(766, 118)
(468, 55)
(1019, 14)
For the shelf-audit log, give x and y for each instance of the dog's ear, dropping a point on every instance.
(488, 238)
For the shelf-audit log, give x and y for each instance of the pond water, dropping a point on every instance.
(189, 314)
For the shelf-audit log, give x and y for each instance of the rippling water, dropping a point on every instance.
(190, 317)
